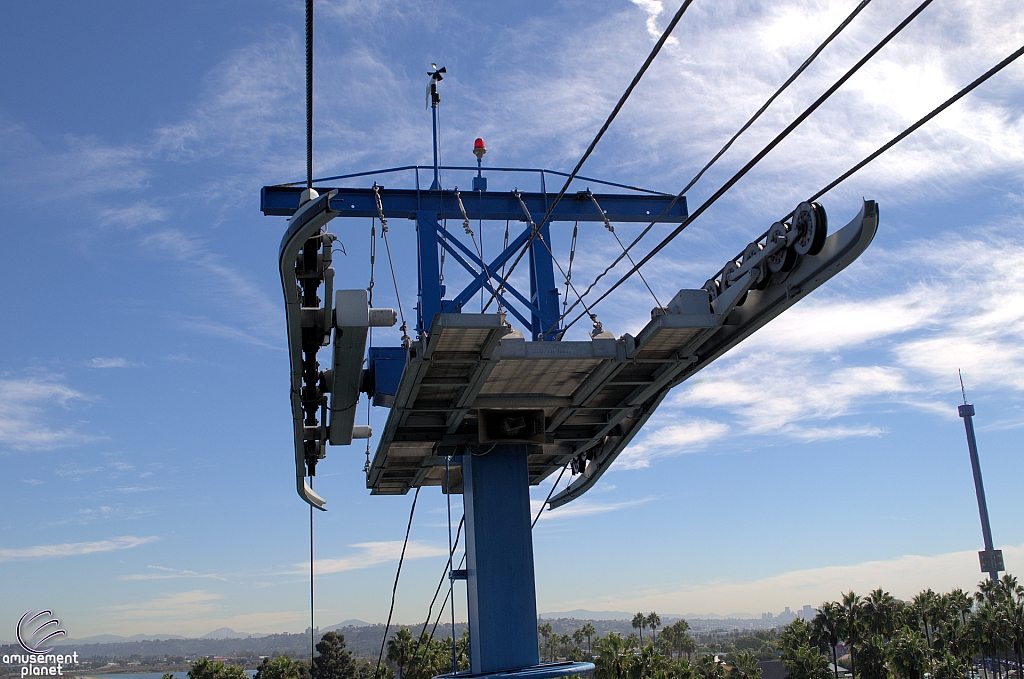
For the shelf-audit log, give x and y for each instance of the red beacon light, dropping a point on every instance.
(479, 181)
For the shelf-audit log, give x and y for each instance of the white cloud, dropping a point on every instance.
(372, 554)
(75, 548)
(182, 605)
(674, 439)
(903, 576)
(115, 362)
(23, 413)
(165, 573)
(581, 507)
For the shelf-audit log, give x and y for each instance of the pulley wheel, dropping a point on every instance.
(712, 287)
(784, 259)
(751, 251)
(727, 271)
(811, 227)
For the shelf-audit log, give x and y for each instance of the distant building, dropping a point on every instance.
(785, 617)
(807, 613)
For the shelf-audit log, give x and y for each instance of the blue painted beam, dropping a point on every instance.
(491, 205)
(499, 559)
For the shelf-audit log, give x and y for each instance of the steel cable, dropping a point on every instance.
(394, 590)
(550, 493)
(590, 149)
(807, 62)
(907, 132)
(761, 154)
(309, 94)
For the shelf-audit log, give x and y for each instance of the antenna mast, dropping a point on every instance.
(991, 559)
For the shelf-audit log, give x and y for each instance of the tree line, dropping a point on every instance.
(943, 635)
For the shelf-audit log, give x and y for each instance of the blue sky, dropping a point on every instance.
(144, 425)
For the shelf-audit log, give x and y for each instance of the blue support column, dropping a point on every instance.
(499, 556)
(543, 292)
(429, 302)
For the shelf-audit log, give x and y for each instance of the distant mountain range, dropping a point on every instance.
(219, 633)
(583, 614)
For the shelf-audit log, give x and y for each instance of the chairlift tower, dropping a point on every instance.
(488, 404)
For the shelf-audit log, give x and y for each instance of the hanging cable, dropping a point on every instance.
(444, 576)
(907, 132)
(369, 334)
(309, 186)
(384, 234)
(568, 275)
(451, 549)
(761, 154)
(312, 638)
(550, 493)
(615, 111)
(309, 94)
(479, 249)
(437, 620)
(814, 55)
(394, 590)
(540, 236)
(625, 253)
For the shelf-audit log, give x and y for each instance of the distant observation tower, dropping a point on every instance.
(991, 558)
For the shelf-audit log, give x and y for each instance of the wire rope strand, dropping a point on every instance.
(625, 252)
(309, 94)
(910, 130)
(437, 620)
(607, 123)
(451, 551)
(550, 493)
(312, 638)
(387, 246)
(394, 590)
(440, 583)
(568, 277)
(761, 154)
(540, 236)
(814, 55)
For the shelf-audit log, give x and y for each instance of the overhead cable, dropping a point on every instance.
(807, 62)
(907, 132)
(615, 111)
(309, 94)
(444, 576)
(552, 492)
(394, 590)
(761, 154)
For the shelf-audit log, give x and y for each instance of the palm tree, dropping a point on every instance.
(744, 666)
(827, 623)
(653, 621)
(400, 647)
(639, 622)
(577, 636)
(851, 626)
(610, 661)
(924, 605)
(907, 653)
(546, 632)
(589, 630)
